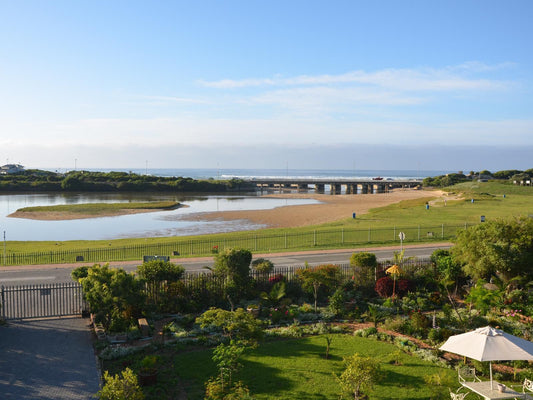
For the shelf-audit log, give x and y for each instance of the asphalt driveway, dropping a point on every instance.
(47, 359)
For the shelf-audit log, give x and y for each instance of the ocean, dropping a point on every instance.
(248, 173)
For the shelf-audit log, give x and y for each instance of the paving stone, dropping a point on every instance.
(47, 359)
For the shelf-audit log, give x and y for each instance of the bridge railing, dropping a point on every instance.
(256, 242)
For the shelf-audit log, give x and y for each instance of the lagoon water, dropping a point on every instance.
(163, 223)
(154, 224)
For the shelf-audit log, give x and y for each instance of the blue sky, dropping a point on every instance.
(432, 85)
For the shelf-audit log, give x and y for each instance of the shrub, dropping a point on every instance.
(384, 286)
(262, 265)
(121, 387)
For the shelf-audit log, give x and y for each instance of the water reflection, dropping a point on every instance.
(156, 224)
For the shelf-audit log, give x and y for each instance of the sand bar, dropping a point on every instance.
(332, 208)
(65, 215)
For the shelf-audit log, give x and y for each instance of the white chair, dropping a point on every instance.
(527, 387)
(467, 374)
(457, 395)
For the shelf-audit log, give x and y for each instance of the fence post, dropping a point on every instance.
(419, 233)
(368, 234)
(3, 305)
(442, 231)
(314, 237)
(342, 239)
(285, 239)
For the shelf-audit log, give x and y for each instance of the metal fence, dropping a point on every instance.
(256, 242)
(38, 301)
(66, 299)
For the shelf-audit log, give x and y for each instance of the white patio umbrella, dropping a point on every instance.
(489, 344)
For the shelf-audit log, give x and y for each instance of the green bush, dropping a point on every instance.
(123, 386)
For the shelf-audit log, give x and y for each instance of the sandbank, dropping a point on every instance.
(65, 215)
(331, 208)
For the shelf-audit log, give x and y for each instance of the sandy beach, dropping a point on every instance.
(332, 208)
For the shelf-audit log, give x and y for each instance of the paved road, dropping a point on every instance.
(47, 359)
(26, 275)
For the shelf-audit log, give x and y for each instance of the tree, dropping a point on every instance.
(314, 277)
(364, 266)
(161, 281)
(360, 373)
(499, 247)
(234, 266)
(123, 386)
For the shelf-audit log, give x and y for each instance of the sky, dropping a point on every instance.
(431, 85)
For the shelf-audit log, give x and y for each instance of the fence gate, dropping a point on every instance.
(40, 301)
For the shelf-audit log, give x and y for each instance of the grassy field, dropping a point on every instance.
(297, 369)
(488, 198)
(102, 208)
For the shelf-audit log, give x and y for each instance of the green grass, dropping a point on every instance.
(297, 369)
(99, 208)
(488, 196)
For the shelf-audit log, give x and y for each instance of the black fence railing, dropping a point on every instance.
(256, 242)
(206, 288)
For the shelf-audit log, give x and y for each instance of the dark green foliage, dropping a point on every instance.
(312, 278)
(364, 268)
(78, 273)
(262, 265)
(159, 271)
(111, 181)
(237, 324)
(234, 266)
(438, 254)
(113, 295)
(499, 247)
(444, 180)
(507, 174)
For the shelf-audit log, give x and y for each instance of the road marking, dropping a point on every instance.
(28, 278)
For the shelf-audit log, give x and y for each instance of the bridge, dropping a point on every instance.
(351, 186)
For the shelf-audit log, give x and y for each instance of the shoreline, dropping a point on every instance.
(331, 208)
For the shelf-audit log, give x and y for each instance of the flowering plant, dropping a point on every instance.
(514, 314)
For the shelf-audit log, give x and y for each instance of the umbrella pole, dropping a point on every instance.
(490, 366)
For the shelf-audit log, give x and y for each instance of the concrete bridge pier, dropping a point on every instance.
(364, 188)
(335, 188)
(351, 188)
(319, 187)
(303, 187)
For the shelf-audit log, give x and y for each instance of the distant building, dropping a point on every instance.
(11, 169)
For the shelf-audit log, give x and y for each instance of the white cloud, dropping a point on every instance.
(423, 79)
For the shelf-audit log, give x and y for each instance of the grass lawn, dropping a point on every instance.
(297, 369)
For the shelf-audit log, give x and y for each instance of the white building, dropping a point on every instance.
(11, 169)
